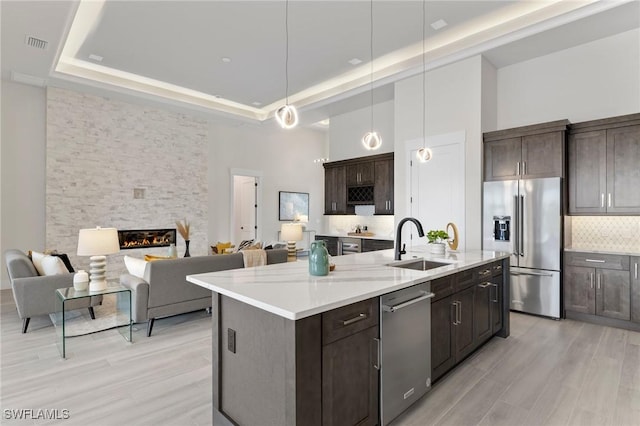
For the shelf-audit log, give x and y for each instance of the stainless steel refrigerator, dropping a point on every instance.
(523, 217)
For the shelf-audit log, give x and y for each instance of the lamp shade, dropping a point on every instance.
(98, 241)
(291, 232)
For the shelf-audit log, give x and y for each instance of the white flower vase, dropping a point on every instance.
(437, 248)
(81, 280)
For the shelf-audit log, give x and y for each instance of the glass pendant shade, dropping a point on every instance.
(371, 140)
(424, 155)
(287, 116)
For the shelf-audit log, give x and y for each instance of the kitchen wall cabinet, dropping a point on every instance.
(465, 313)
(528, 152)
(603, 166)
(634, 265)
(383, 187)
(369, 177)
(335, 190)
(349, 360)
(597, 284)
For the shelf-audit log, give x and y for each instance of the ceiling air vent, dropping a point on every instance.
(36, 42)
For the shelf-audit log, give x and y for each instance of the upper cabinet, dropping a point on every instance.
(359, 181)
(604, 171)
(527, 152)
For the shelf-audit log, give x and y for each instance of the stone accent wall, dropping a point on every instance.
(114, 164)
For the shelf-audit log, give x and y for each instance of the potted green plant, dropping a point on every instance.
(437, 238)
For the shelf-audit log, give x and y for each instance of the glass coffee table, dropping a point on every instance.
(121, 317)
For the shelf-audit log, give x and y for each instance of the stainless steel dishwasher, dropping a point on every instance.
(405, 336)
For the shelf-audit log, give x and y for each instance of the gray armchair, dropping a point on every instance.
(35, 294)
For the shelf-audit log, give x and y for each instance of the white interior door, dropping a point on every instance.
(245, 205)
(437, 187)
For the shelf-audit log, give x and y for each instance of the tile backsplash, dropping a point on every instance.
(616, 233)
(382, 226)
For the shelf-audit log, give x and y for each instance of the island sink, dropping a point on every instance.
(419, 264)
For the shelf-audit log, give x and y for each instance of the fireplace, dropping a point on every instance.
(146, 238)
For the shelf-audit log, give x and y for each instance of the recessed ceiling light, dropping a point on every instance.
(226, 60)
(96, 58)
(256, 103)
(440, 23)
(355, 61)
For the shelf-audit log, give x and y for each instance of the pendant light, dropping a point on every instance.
(371, 140)
(287, 115)
(424, 154)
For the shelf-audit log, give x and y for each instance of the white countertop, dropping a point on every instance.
(287, 289)
(599, 250)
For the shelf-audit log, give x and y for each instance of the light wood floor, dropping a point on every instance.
(547, 373)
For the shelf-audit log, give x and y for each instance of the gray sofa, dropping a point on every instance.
(165, 291)
(34, 294)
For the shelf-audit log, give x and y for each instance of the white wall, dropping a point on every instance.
(285, 158)
(23, 169)
(346, 131)
(453, 104)
(594, 80)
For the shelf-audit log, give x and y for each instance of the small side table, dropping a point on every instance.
(123, 310)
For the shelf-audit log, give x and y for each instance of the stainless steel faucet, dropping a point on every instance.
(399, 252)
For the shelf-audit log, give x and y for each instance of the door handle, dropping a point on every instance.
(518, 168)
(595, 260)
(591, 279)
(454, 305)
(521, 226)
(537, 274)
(516, 242)
(394, 308)
(609, 200)
(496, 298)
(484, 285)
(602, 199)
(459, 312)
(598, 280)
(636, 270)
(378, 346)
(524, 167)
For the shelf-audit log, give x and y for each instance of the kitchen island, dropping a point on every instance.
(290, 348)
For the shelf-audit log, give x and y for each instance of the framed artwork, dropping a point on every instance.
(293, 205)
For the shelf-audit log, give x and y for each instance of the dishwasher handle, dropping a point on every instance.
(424, 296)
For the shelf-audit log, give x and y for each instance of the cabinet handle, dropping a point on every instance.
(377, 363)
(484, 285)
(636, 270)
(496, 287)
(595, 260)
(454, 305)
(459, 312)
(360, 317)
(591, 279)
(524, 167)
(598, 279)
(609, 200)
(518, 168)
(602, 199)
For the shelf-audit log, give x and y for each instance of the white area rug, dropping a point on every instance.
(79, 322)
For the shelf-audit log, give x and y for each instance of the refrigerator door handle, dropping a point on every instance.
(521, 223)
(516, 242)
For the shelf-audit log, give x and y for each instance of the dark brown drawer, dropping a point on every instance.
(596, 260)
(496, 268)
(350, 319)
(442, 287)
(465, 279)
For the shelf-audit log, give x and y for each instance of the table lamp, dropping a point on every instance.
(291, 232)
(98, 242)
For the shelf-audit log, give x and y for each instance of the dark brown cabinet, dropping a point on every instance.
(330, 242)
(335, 191)
(604, 176)
(465, 312)
(374, 245)
(597, 284)
(360, 173)
(350, 371)
(634, 265)
(527, 152)
(383, 187)
(357, 181)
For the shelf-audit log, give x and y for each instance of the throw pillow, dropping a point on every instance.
(36, 258)
(52, 265)
(256, 246)
(65, 260)
(153, 257)
(222, 247)
(135, 266)
(244, 244)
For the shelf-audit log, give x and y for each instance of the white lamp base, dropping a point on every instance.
(291, 251)
(98, 273)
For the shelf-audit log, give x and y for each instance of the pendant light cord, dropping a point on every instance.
(371, 60)
(286, 60)
(424, 72)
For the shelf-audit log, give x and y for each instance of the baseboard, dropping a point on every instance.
(610, 322)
